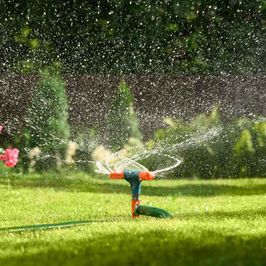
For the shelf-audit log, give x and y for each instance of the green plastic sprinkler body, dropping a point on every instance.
(134, 178)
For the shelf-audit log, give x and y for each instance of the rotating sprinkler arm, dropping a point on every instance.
(140, 175)
(144, 173)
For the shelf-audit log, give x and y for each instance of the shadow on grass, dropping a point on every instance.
(221, 215)
(206, 190)
(50, 226)
(216, 215)
(157, 247)
(101, 186)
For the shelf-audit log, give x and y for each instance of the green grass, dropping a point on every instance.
(217, 222)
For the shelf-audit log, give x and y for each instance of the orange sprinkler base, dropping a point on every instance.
(134, 205)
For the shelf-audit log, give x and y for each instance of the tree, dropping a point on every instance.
(122, 120)
(47, 120)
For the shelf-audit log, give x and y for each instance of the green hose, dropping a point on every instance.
(152, 211)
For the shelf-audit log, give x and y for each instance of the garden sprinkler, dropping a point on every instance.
(134, 178)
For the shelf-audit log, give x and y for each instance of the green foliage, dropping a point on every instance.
(211, 148)
(134, 146)
(122, 120)
(87, 140)
(244, 143)
(38, 53)
(172, 36)
(251, 149)
(47, 120)
(5, 172)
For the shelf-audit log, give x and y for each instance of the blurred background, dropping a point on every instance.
(82, 79)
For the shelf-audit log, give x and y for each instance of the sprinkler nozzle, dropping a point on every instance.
(117, 175)
(145, 175)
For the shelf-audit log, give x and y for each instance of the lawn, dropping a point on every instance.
(215, 222)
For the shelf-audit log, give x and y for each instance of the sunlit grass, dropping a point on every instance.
(217, 222)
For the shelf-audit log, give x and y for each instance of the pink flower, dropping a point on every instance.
(1, 128)
(10, 157)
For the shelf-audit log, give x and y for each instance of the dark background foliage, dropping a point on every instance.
(181, 58)
(119, 36)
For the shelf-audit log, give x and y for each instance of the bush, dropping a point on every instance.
(250, 149)
(211, 148)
